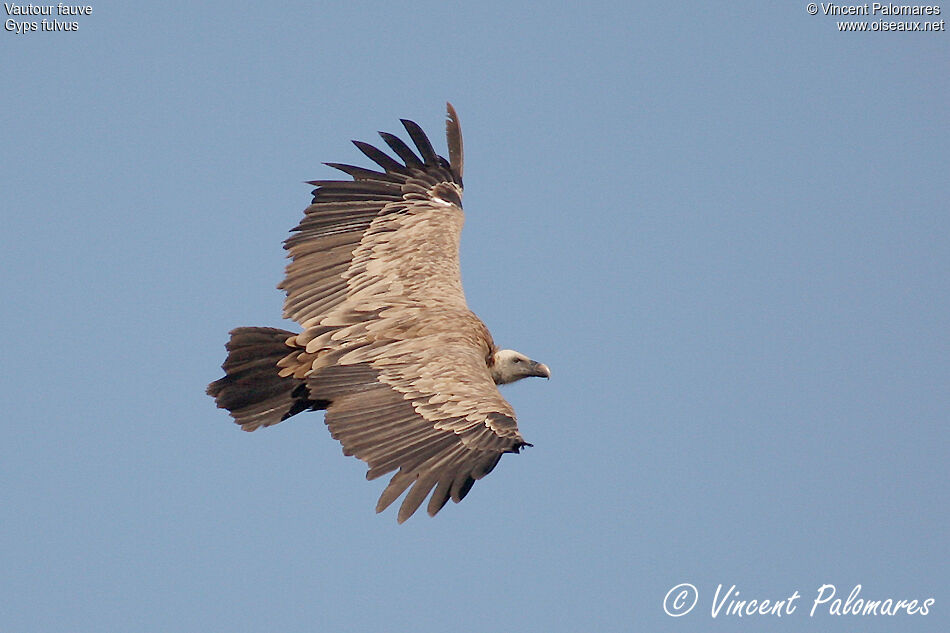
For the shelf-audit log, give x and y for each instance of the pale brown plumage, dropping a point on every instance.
(406, 372)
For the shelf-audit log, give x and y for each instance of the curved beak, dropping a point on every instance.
(540, 370)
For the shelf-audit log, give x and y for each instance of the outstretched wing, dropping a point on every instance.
(389, 341)
(428, 412)
(392, 234)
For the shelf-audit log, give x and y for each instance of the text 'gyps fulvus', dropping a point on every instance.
(406, 372)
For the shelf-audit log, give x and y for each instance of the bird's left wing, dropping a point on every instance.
(425, 406)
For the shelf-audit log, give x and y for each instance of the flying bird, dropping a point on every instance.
(406, 373)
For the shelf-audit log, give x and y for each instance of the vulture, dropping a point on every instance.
(407, 375)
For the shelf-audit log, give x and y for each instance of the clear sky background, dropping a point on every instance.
(725, 227)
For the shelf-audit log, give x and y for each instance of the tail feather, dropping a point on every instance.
(251, 390)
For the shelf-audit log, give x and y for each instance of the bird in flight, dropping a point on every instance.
(406, 373)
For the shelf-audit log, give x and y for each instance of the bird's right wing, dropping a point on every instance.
(385, 238)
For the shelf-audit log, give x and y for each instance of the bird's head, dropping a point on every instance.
(508, 366)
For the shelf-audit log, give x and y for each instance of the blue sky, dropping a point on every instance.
(724, 227)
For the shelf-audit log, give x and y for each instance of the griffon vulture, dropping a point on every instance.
(406, 372)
